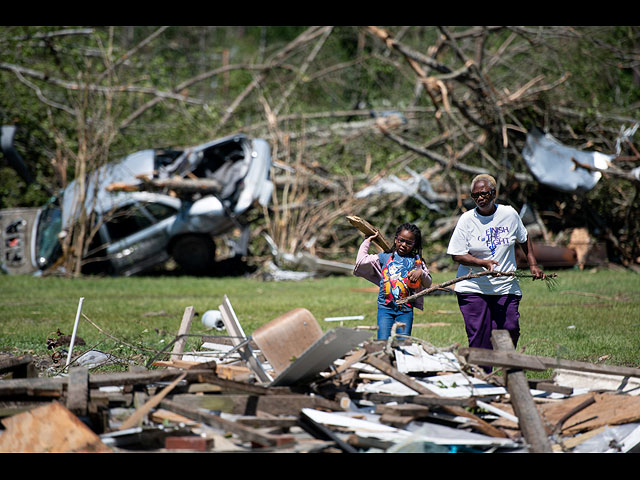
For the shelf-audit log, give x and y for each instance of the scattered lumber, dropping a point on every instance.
(591, 411)
(243, 431)
(151, 403)
(478, 423)
(362, 401)
(246, 404)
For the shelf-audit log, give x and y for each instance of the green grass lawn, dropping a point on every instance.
(591, 316)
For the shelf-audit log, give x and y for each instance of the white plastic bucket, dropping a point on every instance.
(213, 319)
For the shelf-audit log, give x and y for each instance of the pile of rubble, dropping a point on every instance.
(290, 387)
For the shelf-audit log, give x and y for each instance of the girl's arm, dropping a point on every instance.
(426, 276)
(367, 265)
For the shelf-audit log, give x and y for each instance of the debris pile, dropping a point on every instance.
(290, 387)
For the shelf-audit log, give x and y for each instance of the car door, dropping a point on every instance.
(137, 235)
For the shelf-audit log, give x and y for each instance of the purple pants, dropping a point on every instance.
(484, 313)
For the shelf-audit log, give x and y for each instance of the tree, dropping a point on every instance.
(342, 107)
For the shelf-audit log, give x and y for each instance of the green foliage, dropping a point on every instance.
(352, 70)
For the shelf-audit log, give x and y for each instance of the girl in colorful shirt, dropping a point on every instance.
(399, 274)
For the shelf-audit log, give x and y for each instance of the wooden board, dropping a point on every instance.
(529, 420)
(238, 337)
(20, 367)
(185, 325)
(49, 429)
(185, 364)
(242, 404)
(367, 229)
(286, 337)
(607, 409)
(152, 403)
(78, 390)
(512, 359)
(161, 415)
(39, 386)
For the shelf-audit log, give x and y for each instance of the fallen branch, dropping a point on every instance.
(184, 185)
(550, 279)
(115, 338)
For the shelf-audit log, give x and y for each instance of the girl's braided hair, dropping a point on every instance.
(417, 234)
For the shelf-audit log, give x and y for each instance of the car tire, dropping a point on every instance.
(195, 254)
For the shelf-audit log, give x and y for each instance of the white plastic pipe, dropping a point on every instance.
(497, 411)
(75, 329)
(339, 319)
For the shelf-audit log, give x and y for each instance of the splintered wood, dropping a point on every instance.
(49, 429)
(373, 396)
(594, 410)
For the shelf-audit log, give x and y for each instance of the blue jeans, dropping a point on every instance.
(388, 316)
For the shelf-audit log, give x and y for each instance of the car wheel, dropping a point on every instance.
(195, 254)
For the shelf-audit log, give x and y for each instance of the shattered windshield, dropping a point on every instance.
(48, 247)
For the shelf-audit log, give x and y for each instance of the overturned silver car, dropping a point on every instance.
(140, 227)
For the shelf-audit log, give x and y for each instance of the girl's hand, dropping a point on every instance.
(374, 236)
(414, 278)
(414, 275)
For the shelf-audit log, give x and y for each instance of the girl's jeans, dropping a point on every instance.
(388, 316)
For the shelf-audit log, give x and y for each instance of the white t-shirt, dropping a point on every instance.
(493, 236)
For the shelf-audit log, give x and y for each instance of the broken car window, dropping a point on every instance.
(48, 247)
(126, 221)
(160, 211)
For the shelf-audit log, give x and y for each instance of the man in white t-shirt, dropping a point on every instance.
(485, 239)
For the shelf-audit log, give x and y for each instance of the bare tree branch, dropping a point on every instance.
(275, 60)
(132, 51)
(59, 33)
(443, 160)
(303, 70)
